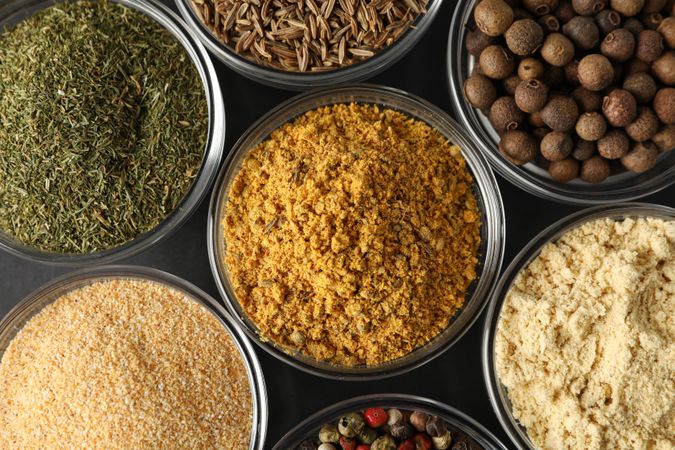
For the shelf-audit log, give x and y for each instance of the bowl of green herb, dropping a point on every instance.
(112, 127)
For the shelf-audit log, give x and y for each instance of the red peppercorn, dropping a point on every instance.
(347, 443)
(408, 444)
(375, 417)
(422, 441)
(363, 447)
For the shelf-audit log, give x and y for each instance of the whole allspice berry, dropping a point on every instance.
(519, 146)
(645, 125)
(649, 46)
(534, 119)
(480, 91)
(583, 32)
(664, 105)
(557, 49)
(571, 70)
(641, 85)
(633, 25)
(591, 126)
(560, 113)
(641, 157)
(477, 41)
(531, 95)
(608, 20)
(588, 7)
(556, 146)
(652, 6)
(540, 7)
(565, 11)
(651, 21)
(565, 170)
(664, 67)
(614, 144)
(583, 149)
(627, 8)
(618, 45)
(505, 115)
(588, 101)
(664, 139)
(530, 68)
(636, 66)
(549, 23)
(667, 30)
(497, 62)
(493, 17)
(524, 37)
(619, 108)
(594, 170)
(595, 72)
(510, 84)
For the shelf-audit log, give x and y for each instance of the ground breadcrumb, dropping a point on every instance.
(124, 364)
(352, 234)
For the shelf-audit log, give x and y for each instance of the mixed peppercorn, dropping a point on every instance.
(377, 429)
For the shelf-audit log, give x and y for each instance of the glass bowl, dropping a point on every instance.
(457, 420)
(14, 321)
(485, 190)
(496, 391)
(622, 186)
(308, 80)
(14, 11)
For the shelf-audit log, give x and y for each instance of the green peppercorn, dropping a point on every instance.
(329, 434)
(367, 435)
(385, 442)
(351, 425)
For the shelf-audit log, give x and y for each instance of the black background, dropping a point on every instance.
(455, 377)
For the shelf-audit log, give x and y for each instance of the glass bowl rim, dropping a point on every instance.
(495, 390)
(522, 178)
(390, 400)
(212, 152)
(47, 293)
(301, 81)
(491, 207)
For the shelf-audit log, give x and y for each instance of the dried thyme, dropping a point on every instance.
(308, 35)
(103, 122)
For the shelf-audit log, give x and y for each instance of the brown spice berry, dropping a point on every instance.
(627, 8)
(479, 91)
(619, 108)
(524, 37)
(591, 126)
(595, 72)
(554, 76)
(583, 32)
(641, 85)
(667, 30)
(505, 115)
(534, 119)
(477, 41)
(540, 7)
(510, 84)
(594, 170)
(497, 62)
(664, 67)
(560, 113)
(588, 7)
(572, 72)
(583, 149)
(665, 138)
(664, 105)
(649, 45)
(493, 17)
(557, 49)
(564, 170)
(651, 21)
(556, 146)
(618, 45)
(530, 68)
(549, 23)
(645, 125)
(641, 158)
(520, 13)
(636, 66)
(519, 146)
(565, 11)
(652, 6)
(633, 25)
(588, 101)
(540, 132)
(608, 20)
(614, 144)
(531, 95)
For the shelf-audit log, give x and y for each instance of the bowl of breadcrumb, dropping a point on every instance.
(355, 232)
(127, 357)
(579, 343)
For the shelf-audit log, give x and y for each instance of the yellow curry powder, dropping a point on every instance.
(352, 234)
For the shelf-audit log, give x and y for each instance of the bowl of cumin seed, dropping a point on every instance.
(307, 44)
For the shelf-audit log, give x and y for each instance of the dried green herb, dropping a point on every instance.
(103, 123)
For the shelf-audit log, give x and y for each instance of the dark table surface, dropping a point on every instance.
(455, 377)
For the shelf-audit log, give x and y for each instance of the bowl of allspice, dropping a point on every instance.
(571, 100)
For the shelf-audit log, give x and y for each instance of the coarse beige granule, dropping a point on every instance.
(585, 344)
(352, 234)
(124, 364)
